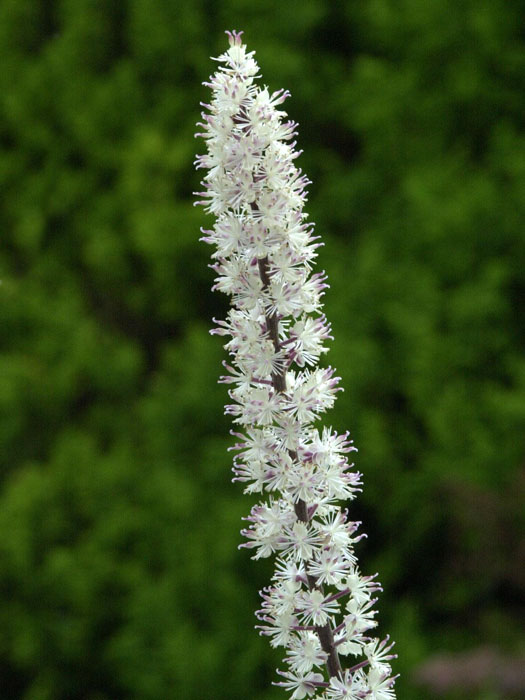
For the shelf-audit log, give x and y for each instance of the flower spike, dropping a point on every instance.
(319, 606)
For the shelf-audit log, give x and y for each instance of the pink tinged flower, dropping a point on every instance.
(267, 522)
(329, 568)
(278, 474)
(300, 541)
(280, 628)
(353, 645)
(380, 684)
(360, 618)
(361, 587)
(289, 432)
(289, 570)
(286, 267)
(254, 473)
(280, 598)
(265, 361)
(311, 393)
(258, 406)
(303, 685)
(283, 298)
(341, 485)
(305, 652)
(336, 530)
(314, 608)
(258, 444)
(307, 336)
(304, 484)
(352, 686)
(378, 654)
(312, 291)
(328, 447)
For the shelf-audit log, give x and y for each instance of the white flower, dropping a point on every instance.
(267, 522)
(380, 684)
(351, 687)
(360, 618)
(361, 588)
(280, 628)
(302, 684)
(329, 567)
(280, 599)
(304, 652)
(275, 333)
(337, 532)
(301, 541)
(315, 608)
(378, 654)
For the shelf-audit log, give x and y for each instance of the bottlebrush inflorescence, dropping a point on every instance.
(318, 606)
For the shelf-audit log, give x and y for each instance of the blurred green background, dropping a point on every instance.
(120, 576)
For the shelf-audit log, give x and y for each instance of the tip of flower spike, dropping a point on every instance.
(234, 37)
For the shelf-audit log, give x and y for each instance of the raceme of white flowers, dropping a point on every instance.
(319, 606)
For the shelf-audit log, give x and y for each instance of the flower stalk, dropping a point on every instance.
(318, 606)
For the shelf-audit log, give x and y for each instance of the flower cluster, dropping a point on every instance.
(318, 606)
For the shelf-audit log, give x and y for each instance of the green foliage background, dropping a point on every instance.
(120, 576)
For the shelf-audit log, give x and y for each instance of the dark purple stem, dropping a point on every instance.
(325, 633)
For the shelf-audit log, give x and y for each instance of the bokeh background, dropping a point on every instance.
(120, 576)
